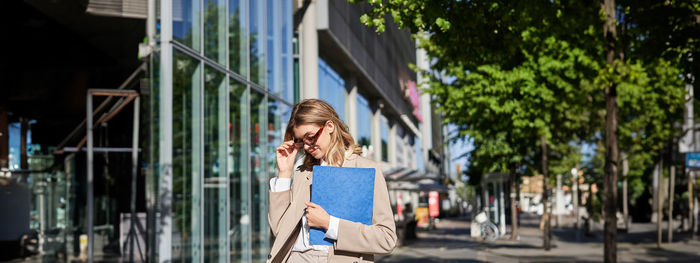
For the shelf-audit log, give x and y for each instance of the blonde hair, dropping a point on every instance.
(314, 111)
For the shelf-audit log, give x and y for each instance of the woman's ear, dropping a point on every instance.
(330, 126)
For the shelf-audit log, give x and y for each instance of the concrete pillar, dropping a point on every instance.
(376, 138)
(351, 106)
(427, 136)
(309, 54)
(446, 157)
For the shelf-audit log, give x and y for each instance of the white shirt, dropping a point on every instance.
(302, 243)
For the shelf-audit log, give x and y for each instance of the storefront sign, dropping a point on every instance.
(692, 160)
(433, 204)
(414, 98)
(422, 216)
(399, 206)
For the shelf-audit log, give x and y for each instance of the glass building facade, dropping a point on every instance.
(384, 135)
(331, 88)
(364, 132)
(222, 92)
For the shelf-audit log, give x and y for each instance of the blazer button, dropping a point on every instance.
(269, 256)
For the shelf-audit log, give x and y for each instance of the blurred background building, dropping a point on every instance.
(216, 81)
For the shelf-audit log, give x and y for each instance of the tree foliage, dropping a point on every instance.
(522, 68)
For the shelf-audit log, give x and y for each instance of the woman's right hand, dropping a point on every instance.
(286, 154)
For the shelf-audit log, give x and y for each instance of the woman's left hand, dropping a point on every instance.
(317, 216)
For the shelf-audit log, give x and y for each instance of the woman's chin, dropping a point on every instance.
(316, 153)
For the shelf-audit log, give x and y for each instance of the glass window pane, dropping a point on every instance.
(364, 129)
(278, 117)
(400, 159)
(258, 177)
(257, 41)
(214, 163)
(215, 30)
(238, 51)
(384, 132)
(272, 46)
(186, 20)
(278, 46)
(287, 56)
(420, 161)
(295, 75)
(331, 88)
(186, 158)
(238, 173)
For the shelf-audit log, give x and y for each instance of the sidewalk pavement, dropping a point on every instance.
(451, 242)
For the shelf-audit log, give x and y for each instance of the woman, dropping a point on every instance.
(321, 138)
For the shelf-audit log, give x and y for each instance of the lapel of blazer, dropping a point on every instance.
(300, 194)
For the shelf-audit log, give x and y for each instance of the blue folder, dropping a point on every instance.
(346, 193)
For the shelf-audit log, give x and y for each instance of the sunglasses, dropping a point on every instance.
(310, 140)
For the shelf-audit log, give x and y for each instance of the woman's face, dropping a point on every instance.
(307, 132)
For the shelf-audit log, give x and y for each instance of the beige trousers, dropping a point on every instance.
(309, 256)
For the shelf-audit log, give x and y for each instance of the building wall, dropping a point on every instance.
(376, 73)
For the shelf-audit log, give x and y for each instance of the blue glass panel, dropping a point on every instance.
(215, 193)
(237, 38)
(258, 177)
(384, 134)
(364, 129)
(186, 21)
(287, 56)
(186, 242)
(215, 30)
(420, 161)
(257, 41)
(331, 88)
(239, 172)
(273, 41)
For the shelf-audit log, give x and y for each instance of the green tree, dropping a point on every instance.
(528, 69)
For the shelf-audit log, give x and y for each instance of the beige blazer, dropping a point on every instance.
(356, 242)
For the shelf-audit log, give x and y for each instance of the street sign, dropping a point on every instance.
(692, 160)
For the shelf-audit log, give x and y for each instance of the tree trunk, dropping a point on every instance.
(545, 213)
(625, 202)
(611, 150)
(672, 185)
(691, 202)
(513, 207)
(576, 205)
(659, 202)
